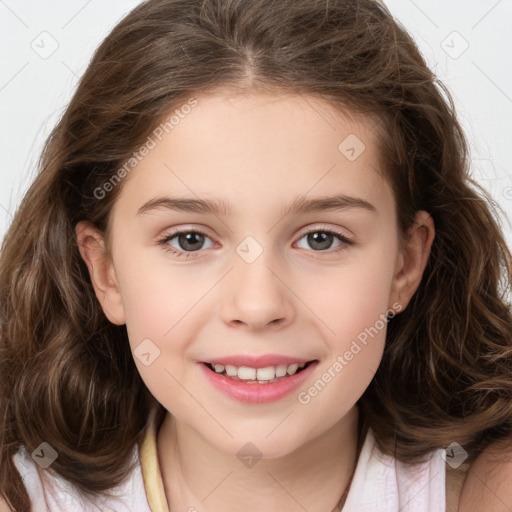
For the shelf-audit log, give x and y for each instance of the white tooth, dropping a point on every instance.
(231, 370)
(267, 373)
(292, 368)
(281, 370)
(245, 373)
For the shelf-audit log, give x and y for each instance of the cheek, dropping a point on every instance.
(354, 295)
(158, 311)
(163, 309)
(352, 305)
(155, 297)
(355, 313)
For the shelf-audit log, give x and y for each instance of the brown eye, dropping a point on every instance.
(321, 240)
(185, 242)
(191, 241)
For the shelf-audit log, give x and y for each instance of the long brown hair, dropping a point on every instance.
(67, 374)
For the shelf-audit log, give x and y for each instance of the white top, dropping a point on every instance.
(50, 493)
(380, 483)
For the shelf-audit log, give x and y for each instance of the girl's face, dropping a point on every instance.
(297, 257)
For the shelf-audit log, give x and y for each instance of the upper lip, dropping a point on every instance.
(257, 361)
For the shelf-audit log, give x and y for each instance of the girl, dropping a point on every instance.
(173, 338)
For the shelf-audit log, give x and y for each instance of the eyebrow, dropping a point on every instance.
(222, 208)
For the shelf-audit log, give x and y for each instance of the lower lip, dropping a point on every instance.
(257, 393)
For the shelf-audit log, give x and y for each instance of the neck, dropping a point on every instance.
(313, 477)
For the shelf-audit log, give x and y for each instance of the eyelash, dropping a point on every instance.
(164, 241)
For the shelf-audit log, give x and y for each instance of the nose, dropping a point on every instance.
(255, 296)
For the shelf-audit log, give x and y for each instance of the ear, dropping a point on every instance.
(91, 244)
(412, 259)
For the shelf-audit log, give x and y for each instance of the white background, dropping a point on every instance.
(34, 91)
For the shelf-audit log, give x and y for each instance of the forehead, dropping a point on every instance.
(252, 147)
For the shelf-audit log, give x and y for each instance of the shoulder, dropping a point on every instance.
(3, 505)
(488, 483)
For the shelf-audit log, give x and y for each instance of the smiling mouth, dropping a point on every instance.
(266, 375)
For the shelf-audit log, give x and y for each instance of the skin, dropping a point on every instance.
(488, 482)
(298, 298)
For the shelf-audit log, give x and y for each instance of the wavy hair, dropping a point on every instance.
(67, 375)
